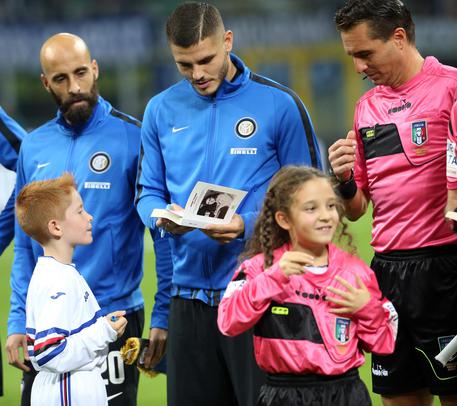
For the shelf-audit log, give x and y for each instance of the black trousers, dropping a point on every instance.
(204, 367)
(121, 380)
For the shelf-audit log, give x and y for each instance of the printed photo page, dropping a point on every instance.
(207, 204)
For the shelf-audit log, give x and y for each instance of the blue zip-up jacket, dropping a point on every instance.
(238, 138)
(11, 135)
(103, 157)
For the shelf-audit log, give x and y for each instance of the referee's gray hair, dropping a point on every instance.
(192, 22)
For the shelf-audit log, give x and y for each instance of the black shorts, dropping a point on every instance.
(317, 390)
(204, 367)
(121, 380)
(422, 285)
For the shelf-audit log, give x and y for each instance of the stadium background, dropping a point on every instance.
(291, 41)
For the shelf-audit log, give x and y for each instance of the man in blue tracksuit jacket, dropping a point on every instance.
(223, 125)
(11, 135)
(99, 146)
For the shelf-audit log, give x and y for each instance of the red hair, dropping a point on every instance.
(41, 201)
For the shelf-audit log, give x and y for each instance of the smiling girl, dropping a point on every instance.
(314, 307)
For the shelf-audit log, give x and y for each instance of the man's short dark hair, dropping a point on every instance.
(383, 17)
(192, 22)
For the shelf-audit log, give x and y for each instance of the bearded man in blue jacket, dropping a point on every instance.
(222, 124)
(99, 145)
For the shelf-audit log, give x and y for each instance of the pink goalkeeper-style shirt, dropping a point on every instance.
(401, 158)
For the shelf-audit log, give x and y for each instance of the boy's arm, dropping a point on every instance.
(56, 343)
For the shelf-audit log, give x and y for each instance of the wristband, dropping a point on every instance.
(348, 189)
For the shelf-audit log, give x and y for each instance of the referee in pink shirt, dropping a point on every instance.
(395, 157)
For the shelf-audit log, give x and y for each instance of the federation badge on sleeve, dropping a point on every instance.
(342, 329)
(99, 162)
(246, 127)
(419, 134)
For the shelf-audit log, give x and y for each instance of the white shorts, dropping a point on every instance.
(77, 388)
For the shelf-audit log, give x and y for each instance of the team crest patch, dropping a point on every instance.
(246, 127)
(99, 162)
(419, 134)
(342, 329)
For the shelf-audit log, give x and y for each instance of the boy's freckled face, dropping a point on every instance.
(77, 225)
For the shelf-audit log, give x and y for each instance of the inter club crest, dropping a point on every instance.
(419, 134)
(342, 329)
(246, 127)
(100, 162)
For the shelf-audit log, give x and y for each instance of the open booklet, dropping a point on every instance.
(207, 204)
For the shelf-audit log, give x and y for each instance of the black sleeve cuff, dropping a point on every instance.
(347, 189)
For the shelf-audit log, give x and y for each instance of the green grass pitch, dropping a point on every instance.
(151, 391)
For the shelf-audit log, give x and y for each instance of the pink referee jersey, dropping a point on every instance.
(294, 332)
(401, 158)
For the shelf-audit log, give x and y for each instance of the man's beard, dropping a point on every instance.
(224, 70)
(78, 115)
(221, 75)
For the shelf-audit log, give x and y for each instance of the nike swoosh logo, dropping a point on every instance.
(175, 130)
(43, 165)
(114, 396)
(57, 295)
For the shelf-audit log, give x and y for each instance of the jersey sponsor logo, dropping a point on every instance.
(100, 162)
(280, 311)
(43, 165)
(243, 151)
(57, 295)
(178, 129)
(342, 325)
(403, 106)
(245, 127)
(451, 159)
(378, 370)
(419, 134)
(97, 185)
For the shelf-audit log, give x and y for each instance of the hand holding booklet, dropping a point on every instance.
(207, 204)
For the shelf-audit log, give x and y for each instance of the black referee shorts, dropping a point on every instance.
(121, 380)
(318, 390)
(422, 285)
(204, 367)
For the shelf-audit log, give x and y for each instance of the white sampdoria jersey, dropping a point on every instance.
(67, 337)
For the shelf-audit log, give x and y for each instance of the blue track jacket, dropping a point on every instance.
(11, 135)
(238, 138)
(103, 157)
